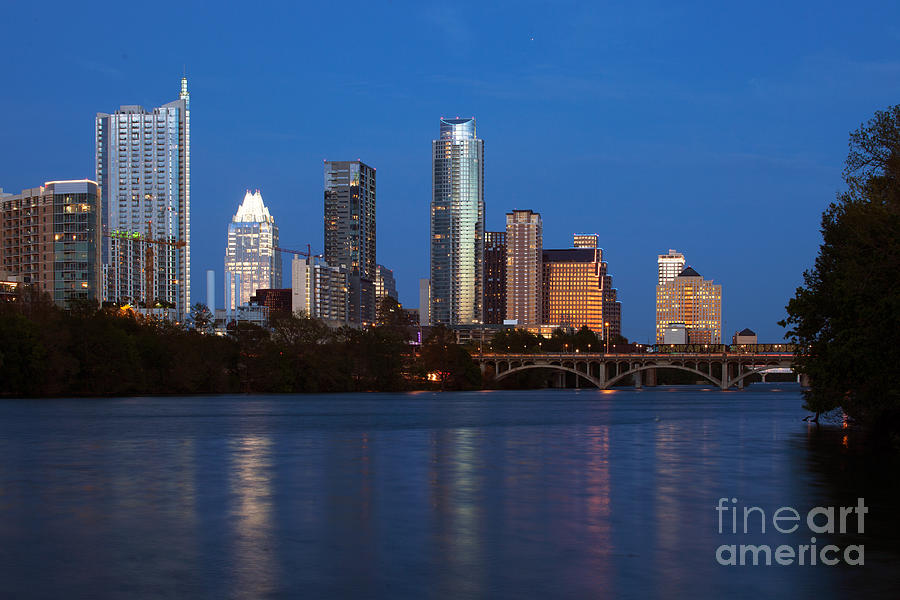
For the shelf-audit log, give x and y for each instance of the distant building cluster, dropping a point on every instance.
(688, 307)
(124, 239)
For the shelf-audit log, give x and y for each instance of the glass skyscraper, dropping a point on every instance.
(144, 174)
(350, 232)
(251, 259)
(457, 224)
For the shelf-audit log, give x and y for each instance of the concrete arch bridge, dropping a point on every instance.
(724, 370)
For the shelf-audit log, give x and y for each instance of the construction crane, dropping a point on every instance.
(307, 254)
(149, 263)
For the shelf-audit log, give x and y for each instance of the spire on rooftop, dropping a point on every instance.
(252, 210)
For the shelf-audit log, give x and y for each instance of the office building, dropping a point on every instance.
(669, 266)
(144, 174)
(694, 301)
(50, 238)
(494, 306)
(279, 302)
(350, 232)
(252, 260)
(424, 302)
(319, 290)
(385, 287)
(586, 240)
(524, 246)
(385, 284)
(675, 333)
(457, 224)
(578, 291)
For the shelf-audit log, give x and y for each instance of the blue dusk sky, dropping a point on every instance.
(717, 129)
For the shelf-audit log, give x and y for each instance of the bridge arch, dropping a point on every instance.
(755, 371)
(518, 369)
(634, 370)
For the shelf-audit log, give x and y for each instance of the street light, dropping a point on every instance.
(606, 324)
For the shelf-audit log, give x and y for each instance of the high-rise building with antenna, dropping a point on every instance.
(144, 174)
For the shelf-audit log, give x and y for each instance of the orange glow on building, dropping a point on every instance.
(694, 301)
(578, 292)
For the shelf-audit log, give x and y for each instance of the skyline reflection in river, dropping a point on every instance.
(551, 493)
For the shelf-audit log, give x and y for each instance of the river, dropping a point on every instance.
(498, 494)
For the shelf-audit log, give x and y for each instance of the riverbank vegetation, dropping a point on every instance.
(844, 317)
(46, 351)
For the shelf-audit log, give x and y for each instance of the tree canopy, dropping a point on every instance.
(844, 317)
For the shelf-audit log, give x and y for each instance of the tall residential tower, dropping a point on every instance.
(524, 247)
(494, 308)
(350, 232)
(144, 174)
(457, 224)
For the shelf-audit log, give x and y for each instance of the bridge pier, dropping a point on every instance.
(650, 378)
(637, 380)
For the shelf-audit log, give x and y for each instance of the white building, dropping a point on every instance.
(251, 258)
(669, 266)
(319, 290)
(144, 173)
(675, 333)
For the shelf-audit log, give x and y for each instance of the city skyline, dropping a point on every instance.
(743, 140)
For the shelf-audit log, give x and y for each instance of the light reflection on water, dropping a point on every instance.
(564, 494)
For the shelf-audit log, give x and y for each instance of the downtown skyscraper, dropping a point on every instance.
(350, 232)
(457, 224)
(524, 250)
(692, 301)
(251, 256)
(144, 174)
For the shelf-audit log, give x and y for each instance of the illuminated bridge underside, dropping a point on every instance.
(606, 370)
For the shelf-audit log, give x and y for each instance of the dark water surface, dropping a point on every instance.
(537, 494)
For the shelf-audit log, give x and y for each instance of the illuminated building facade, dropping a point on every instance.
(494, 305)
(50, 238)
(385, 287)
(586, 240)
(524, 246)
(385, 284)
(457, 224)
(251, 259)
(320, 290)
(577, 291)
(669, 266)
(144, 174)
(350, 232)
(694, 301)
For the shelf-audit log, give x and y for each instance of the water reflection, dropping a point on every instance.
(252, 539)
(542, 494)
